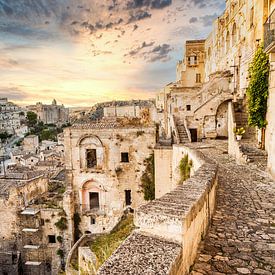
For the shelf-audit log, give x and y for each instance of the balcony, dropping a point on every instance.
(269, 34)
(87, 210)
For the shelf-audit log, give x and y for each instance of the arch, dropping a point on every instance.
(222, 119)
(92, 139)
(234, 34)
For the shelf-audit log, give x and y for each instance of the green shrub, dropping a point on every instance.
(257, 90)
(185, 168)
(148, 179)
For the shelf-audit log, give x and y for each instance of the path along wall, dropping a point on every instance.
(171, 227)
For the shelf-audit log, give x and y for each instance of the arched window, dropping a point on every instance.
(227, 42)
(234, 34)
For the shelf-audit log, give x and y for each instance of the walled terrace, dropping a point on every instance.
(169, 228)
(241, 239)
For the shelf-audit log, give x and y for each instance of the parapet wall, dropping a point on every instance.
(171, 227)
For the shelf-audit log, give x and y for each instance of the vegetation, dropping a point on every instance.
(148, 179)
(257, 90)
(77, 231)
(105, 245)
(62, 224)
(4, 136)
(60, 253)
(185, 168)
(31, 119)
(59, 239)
(239, 131)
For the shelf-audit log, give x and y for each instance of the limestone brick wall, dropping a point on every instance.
(111, 177)
(270, 129)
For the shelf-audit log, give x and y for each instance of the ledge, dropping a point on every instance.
(171, 227)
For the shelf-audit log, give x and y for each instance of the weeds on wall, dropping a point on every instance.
(185, 168)
(257, 91)
(148, 179)
(62, 224)
(105, 245)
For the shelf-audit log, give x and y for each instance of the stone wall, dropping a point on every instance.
(171, 227)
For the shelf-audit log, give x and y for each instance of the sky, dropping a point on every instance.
(81, 52)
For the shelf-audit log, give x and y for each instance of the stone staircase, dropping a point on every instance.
(183, 136)
(254, 155)
(241, 119)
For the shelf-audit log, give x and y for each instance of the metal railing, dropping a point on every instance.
(269, 32)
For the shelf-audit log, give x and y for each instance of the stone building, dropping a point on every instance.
(32, 211)
(105, 161)
(11, 116)
(50, 114)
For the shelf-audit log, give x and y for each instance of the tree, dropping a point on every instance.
(31, 119)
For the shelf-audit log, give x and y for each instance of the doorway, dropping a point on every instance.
(194, 135)
(128, 197)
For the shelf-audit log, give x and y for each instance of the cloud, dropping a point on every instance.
(138, 15)
(207, 20)
(193, 20)
(159, 53)
(136, 51)
(153, 4)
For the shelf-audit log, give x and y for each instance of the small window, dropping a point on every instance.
(128, 197)
(94, 200)
(124, 157)
(51, 238)
(188, 107)
(93, 220)
(198, 78)
(91, 158)
(42, 222)
(252, 17)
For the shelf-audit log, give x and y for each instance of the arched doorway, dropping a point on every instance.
(222, 120)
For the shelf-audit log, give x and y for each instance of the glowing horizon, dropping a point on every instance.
(84, 52)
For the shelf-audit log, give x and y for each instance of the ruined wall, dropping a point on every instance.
(111, 177)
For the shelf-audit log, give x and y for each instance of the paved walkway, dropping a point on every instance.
(241, 239)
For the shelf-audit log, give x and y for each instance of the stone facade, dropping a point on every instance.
(105, 162)
(50, 114)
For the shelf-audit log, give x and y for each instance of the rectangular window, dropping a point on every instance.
(198, 78)
(124, 157)
(188, 107)
(94, 200)
(51, 239)
(192, 60)
(128, 197)
(91, 158)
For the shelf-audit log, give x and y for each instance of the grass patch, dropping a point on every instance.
(105, 245)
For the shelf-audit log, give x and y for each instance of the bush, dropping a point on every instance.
(60, 253)
(185, 168)
(148, 179)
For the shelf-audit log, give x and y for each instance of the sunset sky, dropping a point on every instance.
(86, 51)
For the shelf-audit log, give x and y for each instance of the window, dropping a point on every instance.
(192, 60)
(252, 17)
(94, 200)
(92, 220)
(234, 34)
(128, 197)
(188, 107)
(91, 158)
(51, 239)
(198, 78)
(124, 157)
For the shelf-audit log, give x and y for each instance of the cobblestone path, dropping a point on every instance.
(241, 239)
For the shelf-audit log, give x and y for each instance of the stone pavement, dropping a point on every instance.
(241, 239)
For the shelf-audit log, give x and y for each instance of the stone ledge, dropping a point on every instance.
(142, 254)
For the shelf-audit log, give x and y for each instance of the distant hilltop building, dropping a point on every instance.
(50, 114)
